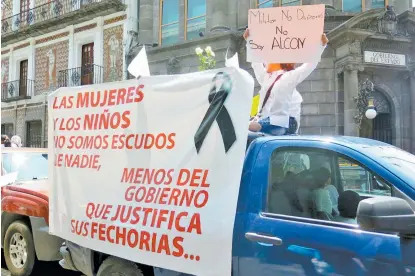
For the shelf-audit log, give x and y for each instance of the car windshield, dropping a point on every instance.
(400, 161)
(403, 160)
(28, 165)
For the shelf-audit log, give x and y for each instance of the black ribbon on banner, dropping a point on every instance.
(217, 112)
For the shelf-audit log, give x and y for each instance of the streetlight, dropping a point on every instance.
(365, 102)
(371, 111)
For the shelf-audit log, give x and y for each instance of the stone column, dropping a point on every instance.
(242, 12)
(217, 16)
(145, 34)
(351, 90)
(132, 14)
(233, 13)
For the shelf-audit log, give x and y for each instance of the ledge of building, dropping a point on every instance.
(195, 42)
(34, 100)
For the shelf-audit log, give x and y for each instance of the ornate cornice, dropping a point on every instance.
(349, 64)
(354, 67)
(350, 67)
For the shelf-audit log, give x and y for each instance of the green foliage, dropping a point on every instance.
(206, 58)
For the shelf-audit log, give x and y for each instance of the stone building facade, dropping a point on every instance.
(367, 41)
(47, 44)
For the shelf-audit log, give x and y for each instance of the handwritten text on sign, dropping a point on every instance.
(285, 34)
(128, 180)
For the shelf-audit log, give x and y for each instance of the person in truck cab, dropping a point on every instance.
(5, 141)
(348, 203)
(278, 95)
(323, 205)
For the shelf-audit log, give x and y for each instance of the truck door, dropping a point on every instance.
(282, 234)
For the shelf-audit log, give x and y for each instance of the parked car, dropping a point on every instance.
(272, 236)
(25, 211)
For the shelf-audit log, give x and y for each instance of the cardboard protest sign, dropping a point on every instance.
(149, 170)
(285, 34)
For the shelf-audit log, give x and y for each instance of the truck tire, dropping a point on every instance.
(120, 267)
(19, 249)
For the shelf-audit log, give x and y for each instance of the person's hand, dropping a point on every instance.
(324, 39)
(246, 34)
(254, 126)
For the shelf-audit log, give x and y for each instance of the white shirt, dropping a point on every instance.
(284, 100)
(295, 105)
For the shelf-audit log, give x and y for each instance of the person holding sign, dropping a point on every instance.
(278, 95)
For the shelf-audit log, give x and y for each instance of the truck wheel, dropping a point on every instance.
(120, 267)
(19, 249)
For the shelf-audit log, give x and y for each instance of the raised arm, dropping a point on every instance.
(299, 74)
(259, 69)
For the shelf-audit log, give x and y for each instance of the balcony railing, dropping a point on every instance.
(84, 75)
(55, 9)
(17, 90)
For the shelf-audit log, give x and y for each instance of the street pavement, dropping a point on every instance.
(44, 269)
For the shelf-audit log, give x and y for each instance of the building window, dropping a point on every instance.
(264, 4)
(359, 5)
(24, 9)
(7, 129)
(169, 27)
(352, 5)
(290, 3)
(23, 78)
(195, 11)
(376, 4)
(280, 3)
(87, 64)
(34, 134)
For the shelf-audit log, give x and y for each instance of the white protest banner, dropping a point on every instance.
(8, 179)
(139, 65)
(232, 61)
(149, 170)
(285, 34)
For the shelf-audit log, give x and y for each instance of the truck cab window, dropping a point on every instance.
(320, 184)
(356, 178)
(301, 183)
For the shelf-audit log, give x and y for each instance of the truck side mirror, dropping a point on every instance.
(386, 214)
